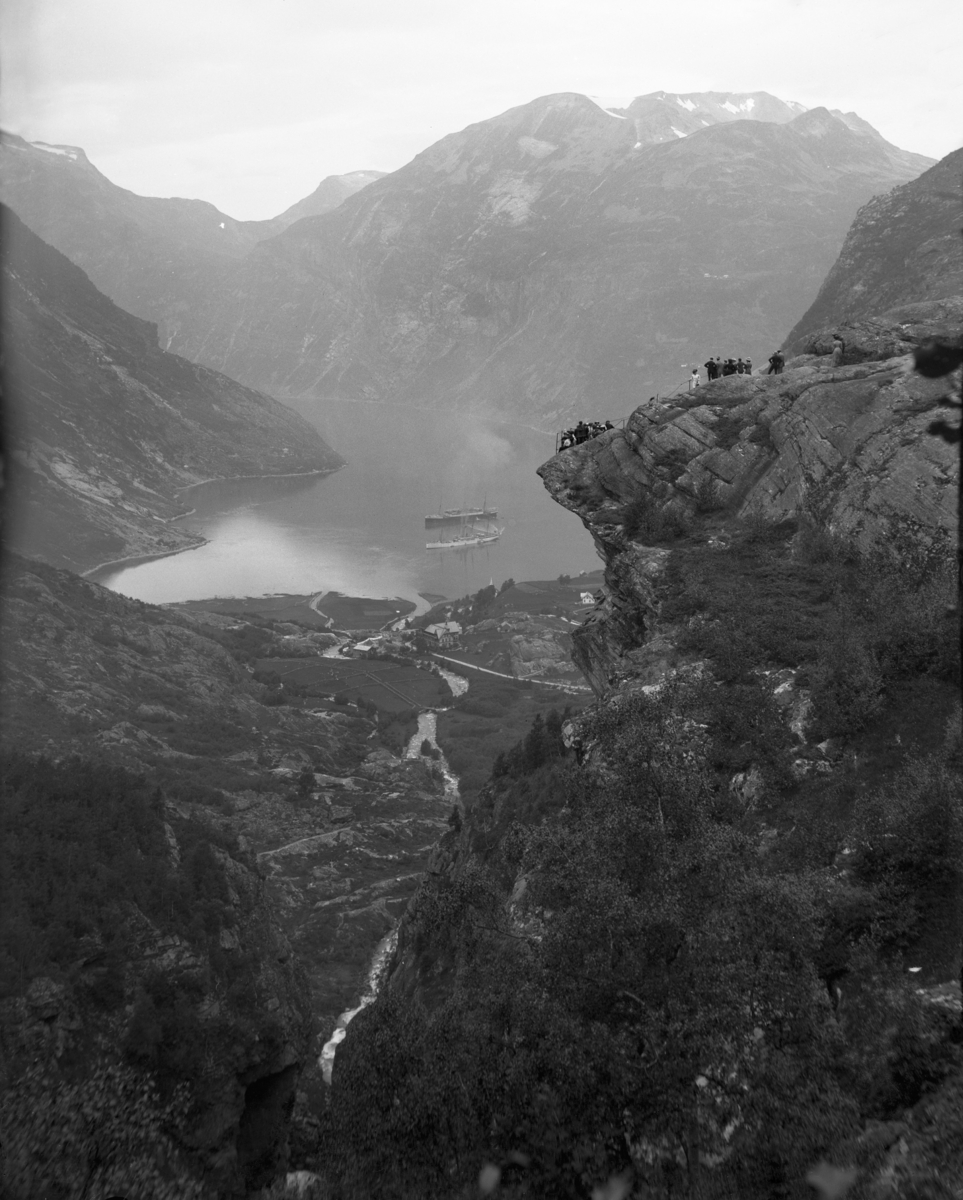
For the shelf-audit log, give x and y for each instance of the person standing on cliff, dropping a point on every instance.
(712, 370)
(694, 379)
(839, 349)
(748, 366)
(740, 367)
(776, 364)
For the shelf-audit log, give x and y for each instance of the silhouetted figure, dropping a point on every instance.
(694, 379)
(581, 433)
(609, 425)
(712, 371)
(740, 367)
(718, 366)
(776, 364)
(729, 367)
(839, 349)
(748, 365)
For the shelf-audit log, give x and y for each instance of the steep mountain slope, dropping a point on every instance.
(105, 426)
(902, 249)
(146, 253)
(329, 193)
(319, 835)
(547, 260)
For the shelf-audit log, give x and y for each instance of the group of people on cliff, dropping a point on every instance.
(582, 432)
(718, 368)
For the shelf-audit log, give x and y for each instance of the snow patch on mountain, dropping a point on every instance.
(689, 104)
(747, 105)
(677, 132)
(607, 103)
(66, 151)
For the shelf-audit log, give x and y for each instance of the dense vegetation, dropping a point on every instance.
(636, 988)
(96, 873)
(790, 595)
(482, 725)
(641, 984)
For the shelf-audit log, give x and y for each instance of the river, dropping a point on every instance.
(361, 530)
(426, 731)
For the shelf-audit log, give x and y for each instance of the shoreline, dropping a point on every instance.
(137, 559)
(231, 478)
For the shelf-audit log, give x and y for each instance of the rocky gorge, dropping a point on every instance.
(296, 835)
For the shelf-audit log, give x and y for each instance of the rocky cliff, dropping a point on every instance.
(755, 687)
(846, 444)
(104, 427)
(902, 252)
(556, 256)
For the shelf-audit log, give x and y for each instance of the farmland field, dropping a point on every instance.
(392, 687)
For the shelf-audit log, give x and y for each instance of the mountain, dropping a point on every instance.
(146, 253)
(903, 249)
(105, 427)
(558, 258)
(329, 193)
(548, 261)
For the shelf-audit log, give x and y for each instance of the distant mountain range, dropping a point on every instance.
(564, 257)
(104, 426)
(148, 254)
(556, 259)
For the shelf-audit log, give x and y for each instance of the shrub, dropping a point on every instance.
(846, 685)
(107, 1134)
(645, 520)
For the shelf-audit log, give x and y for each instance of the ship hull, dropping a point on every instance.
(465, 543)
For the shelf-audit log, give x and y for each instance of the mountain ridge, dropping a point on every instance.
(546, 233)
(105, 427)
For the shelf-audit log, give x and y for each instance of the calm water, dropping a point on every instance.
(361, 530)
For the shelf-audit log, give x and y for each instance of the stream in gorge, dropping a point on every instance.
(427, 730)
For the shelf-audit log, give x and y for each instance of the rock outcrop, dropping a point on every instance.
(847, 444)
(902, 253)
(104, 427)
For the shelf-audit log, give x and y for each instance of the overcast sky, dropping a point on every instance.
(250, 103)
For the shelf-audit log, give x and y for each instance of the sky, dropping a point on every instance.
(250, 103)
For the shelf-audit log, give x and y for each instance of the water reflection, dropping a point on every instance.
(361, 530)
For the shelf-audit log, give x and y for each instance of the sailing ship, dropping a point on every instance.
(462, 528)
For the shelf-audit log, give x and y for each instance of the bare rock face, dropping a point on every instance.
(903, 250)
(105, 426)
(848, 444)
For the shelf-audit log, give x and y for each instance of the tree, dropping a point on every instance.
(103, 1135)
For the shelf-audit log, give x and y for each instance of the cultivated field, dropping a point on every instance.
(392, 687)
